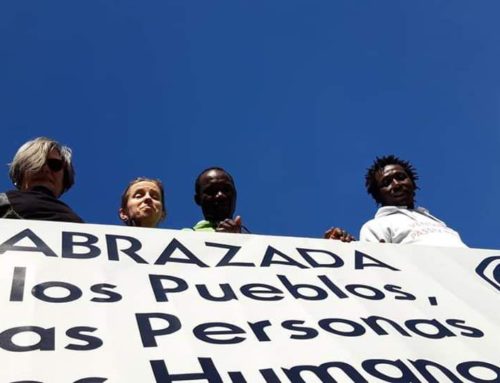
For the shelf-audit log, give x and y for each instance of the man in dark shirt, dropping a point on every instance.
(42, 171)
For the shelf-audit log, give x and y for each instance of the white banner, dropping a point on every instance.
(94, 303)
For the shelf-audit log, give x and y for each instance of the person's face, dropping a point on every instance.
(144, 204)
(395, 187)
(217, 196)
(51, 175)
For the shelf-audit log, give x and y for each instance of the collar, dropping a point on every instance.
(388, 210)
(385, 211)
(204, 224)
(43, 190)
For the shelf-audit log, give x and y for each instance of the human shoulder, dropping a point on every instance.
(5, 205)
(4, 199)
(384, 225)
(374, 230)
(425, 212)
(204, 225)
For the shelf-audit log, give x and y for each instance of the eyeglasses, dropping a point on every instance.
(55, 164)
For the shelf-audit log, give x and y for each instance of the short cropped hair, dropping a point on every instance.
(31, 157)
(379, 164)
(197, 184)
(157, 182)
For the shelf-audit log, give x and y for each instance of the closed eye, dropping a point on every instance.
(138, 194)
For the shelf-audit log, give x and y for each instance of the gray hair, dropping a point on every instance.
(31, 157)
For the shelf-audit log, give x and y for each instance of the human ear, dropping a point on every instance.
(123, 215)
(197, 199)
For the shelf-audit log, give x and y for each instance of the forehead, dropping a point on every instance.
(389, 170)
(214, 177)
(144, 185)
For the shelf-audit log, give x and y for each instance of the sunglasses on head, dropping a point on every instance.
(55, 164)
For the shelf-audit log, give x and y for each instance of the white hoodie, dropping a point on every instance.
(397, 224)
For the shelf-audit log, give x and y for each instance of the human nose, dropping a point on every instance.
(395, 183)
(46, 169)
(220, 194)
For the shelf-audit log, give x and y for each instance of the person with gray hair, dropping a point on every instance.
(42, 171)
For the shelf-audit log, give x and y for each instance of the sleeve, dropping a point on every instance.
(371, 232)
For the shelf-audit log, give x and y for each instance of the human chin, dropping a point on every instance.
(404, 200)
(214, 215)
(48, 184)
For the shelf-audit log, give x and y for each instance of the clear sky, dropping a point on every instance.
(294, 98)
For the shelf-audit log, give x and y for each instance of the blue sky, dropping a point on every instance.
(294, 98)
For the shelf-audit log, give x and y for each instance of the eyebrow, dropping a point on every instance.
(143, 189)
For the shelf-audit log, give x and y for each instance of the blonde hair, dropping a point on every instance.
(31, 157)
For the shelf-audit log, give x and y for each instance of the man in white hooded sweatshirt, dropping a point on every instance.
(392, 183)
